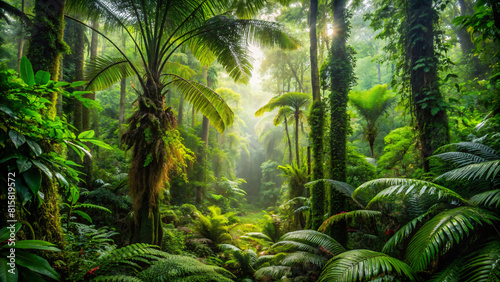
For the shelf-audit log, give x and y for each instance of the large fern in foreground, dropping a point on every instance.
(174, 268)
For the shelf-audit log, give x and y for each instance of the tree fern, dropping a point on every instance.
(362, 214)
(445, 231)
(364, 265)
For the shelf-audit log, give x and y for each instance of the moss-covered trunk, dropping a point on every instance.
(316, 122)
(341, 80)
(427, 101)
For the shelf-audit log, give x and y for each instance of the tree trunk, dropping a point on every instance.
(341, 80)
(289, 142)
(180, 111)
(316, 122)
(431, 117)
(20, 42)
(379, 74)
(123, 91)
(296, 116)
(46, 43)
(202, 160)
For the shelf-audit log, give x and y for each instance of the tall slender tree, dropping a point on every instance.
(163, 27)
(316, 122)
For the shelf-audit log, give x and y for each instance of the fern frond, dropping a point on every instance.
(364, 265)
(443, 232)
(460, 158)
(477, 149)
(485, 171)
(363, 214)
(295, 246)
(276, 272)
(433, 192)
(205, 100)
(488, 199)
(104, 71)
(258, 235)
(91, 206)
(342, 187)
(483, 264)
(263, 259)
(228, 247)
(116, 278)
(303, 258)
(315, 239)
(451, 273)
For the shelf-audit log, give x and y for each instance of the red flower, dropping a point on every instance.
(93, 270)
(389, 232)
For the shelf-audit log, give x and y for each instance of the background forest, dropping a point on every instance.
(234, 140)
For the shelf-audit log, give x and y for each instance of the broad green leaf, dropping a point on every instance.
(23, 164)
(5, 275)
(36, 245)
(86, 134)
(23, 191)
(42, 77)
(43, 168)
(27, 74)
(33, 178)
(5, 233)
(77, 83)
(84, 215)
(35, 264)
(34, 147)
(8, 111)
(61, 84)
(17, 138)
(98, 143)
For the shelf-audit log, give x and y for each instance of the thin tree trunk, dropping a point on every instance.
(294, 72)
(296, 115)
(289, 142)
(379, 74)
(20, 42)
(180, 111)
(123, 93)
(316, 121)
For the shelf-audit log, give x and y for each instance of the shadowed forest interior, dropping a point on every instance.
(236, 140)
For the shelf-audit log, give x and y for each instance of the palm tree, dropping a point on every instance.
(163, 27)
(296, 102)
(371, 105)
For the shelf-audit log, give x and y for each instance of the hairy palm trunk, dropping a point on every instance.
(316, 123)
(289, 141)
(432, 119)
(150, 165)
(341, 77)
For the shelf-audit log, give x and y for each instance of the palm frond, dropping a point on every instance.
(483, 264)
(460, 158)
(433, 193)
(342, 187)
(227, 40)
(295, 246)
(314, 238)
(443, 232)
(275, 272)
(405, 232)
(364, 265)
(451, 272)
(488, 199)
(477, 149)
(104, 71)
(484, 171)
(205, 100)
(228, 247)
(362, 214)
